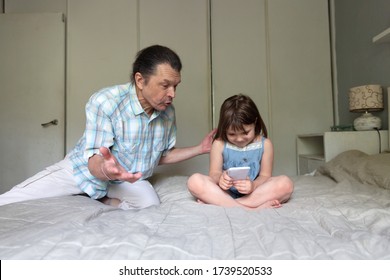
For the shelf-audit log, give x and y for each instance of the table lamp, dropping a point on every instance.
(366, 99)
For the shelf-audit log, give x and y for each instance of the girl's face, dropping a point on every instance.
(241, 138)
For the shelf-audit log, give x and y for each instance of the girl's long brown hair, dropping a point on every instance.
(237, 111)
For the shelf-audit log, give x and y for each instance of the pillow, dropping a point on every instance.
(359, 166)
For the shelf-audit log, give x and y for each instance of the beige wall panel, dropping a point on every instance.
(102, 43)
(183, 26)
(300, 75)
(239, 52)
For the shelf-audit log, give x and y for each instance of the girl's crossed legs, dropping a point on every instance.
(269, 195)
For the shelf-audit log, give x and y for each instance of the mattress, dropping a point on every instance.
(341, 212)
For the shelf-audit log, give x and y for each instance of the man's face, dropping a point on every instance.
(158, 92)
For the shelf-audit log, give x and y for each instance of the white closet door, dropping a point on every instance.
(32, 92)
(183, 26)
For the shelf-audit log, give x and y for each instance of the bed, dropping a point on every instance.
(340, 212)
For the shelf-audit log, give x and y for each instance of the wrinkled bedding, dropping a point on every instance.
(324, 219)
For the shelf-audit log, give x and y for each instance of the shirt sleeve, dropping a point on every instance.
(99, 130)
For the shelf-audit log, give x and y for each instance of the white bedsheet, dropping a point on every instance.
(323, 220)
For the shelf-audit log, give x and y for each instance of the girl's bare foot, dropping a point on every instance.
(270, 204)
(200, 201)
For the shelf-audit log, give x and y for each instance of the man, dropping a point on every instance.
(130, 129)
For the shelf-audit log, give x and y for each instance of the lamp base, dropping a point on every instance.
(367, 121)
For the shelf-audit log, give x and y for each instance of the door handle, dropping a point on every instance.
(53, 122)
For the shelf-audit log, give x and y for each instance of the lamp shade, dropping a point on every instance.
(368, 98)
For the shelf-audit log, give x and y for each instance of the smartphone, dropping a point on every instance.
(238, 173)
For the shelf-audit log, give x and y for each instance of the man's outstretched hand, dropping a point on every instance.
(112, 170)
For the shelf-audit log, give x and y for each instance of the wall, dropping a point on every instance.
(102, 40)
(282, 60)
(359, 60)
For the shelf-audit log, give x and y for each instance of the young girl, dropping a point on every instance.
(241, 140)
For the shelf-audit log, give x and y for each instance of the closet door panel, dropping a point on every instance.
(183, 26)
(35, 6)
(239, 59)
(102, 43)
(300, 75)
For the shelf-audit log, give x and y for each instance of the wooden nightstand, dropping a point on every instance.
(315, 149)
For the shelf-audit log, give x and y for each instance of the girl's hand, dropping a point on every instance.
(244, 186)
(225, 182)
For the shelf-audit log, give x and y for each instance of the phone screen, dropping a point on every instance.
(238, 173)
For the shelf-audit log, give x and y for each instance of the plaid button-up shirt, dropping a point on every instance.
(116, 120)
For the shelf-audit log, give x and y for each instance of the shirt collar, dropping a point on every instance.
(134, 102)
(136, 105)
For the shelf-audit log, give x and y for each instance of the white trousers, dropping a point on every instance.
(57, 180)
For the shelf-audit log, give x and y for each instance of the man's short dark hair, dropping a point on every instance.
(149, 58)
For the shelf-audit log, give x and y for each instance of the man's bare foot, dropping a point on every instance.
(110, 201)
